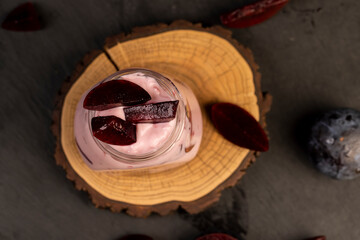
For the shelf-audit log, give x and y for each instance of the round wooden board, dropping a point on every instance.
(216, 67)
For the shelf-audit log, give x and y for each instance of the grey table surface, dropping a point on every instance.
(308, 56)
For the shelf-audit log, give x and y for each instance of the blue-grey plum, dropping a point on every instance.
(335, 144)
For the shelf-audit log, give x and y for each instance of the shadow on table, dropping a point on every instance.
(229, 215)
(302, 131)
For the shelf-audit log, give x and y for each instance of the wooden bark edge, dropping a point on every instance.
(264, 102)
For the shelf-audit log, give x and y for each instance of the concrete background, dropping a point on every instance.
(308, 56)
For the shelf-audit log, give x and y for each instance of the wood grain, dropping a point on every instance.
(217, 68)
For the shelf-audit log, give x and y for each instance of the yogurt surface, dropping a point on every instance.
(150, 136)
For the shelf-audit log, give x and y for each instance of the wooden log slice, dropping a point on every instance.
(216, 67)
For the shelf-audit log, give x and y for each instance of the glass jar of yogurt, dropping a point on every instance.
(168, 143)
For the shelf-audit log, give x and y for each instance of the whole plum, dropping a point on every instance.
(335, 144)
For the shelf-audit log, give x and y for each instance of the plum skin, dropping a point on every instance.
(334, 144)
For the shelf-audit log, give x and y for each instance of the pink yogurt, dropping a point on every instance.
(176, 141)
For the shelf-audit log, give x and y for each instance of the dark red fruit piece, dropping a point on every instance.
(152, 112)
(115, 93)
(252, 14)
(136, 237)
(113, 130)
(239, 127)
(23, 18)
(317, 238)
(216, 236)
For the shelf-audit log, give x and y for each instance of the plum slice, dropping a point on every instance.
(239, 126)
(216, 236)
(23, 18)
(136, 237)
(113, 130)
(115, 93)
(317, 238)
(152, 112)
(252, 14)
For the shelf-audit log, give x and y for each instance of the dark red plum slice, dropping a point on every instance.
(113, 130)
(252, 14)
(216, 236)
(152, 112)
(115, 93)
(239, 126)
(23, 18)
(317, 238)
(136, 237)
